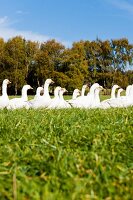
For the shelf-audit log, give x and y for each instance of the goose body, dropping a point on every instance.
(22, 102)
(96, 100)
(44, 100)
(122, 101)
(56, 100)
(62, 103)
(4, 99)
(76, 93)
(106, 103)
(86, 101)
(38, 93)
(37, 96)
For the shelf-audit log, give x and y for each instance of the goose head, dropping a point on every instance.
(24, 92)
(98, 89)
(26, 87)
(120, 90)
(76, 93)
(94, 86)
(115, 87)
(39, 90)
(6, 82)
(63, 90)
(49, 81)
(84, 86)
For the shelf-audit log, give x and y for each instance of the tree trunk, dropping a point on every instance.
(16, 88)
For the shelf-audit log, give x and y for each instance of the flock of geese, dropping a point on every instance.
(78, 100)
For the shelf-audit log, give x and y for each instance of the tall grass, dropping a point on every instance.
(66, 154)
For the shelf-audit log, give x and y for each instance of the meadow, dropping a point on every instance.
(74, 154)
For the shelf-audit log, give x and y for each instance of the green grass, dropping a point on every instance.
(66, 154)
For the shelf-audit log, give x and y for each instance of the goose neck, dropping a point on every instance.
(4, 90)
(118, 94)
(56, 94)
(38, 93)
(83, 91)
(74, 95)
(61, 96)
(24, 94)
(97, 98)
(113, 93)
(46, 90)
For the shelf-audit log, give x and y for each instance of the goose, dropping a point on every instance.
(83, 90)
(55, 101)
(90, 98)
(122, 101)
(96, 101)
(21, 102)
(38, 92)
(128, 89)
(4, 99)
(75, 94)
(38, 95)
(85, 101)
(113, 91)
(44, 100)
(62, 103)
(77, 101)
(106, 103)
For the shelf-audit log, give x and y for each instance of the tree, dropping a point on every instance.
(15, 59)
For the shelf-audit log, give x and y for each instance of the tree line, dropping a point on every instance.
(106, 62)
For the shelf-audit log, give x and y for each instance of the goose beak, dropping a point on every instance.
(52, 82)
(31, 88)
(9, 82)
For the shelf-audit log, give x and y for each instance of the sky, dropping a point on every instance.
(66, 21)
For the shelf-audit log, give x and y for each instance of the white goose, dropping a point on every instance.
(75, 94)
(77, 102)
(113, 91)
(22, 102)
(83, 90)
(85, 101)
(128, 90)
(123, 101)
(62, 103)
(90, 98)
(4, 99)
(37, 96)
(38, 92)
(106, 103)
(96, 100)
(44, 100)
(55, 101)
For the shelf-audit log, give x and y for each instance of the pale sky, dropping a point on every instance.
(67, 21)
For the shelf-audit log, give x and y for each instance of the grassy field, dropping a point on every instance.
(66, 154)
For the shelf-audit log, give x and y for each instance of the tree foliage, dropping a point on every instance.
(107, 62)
